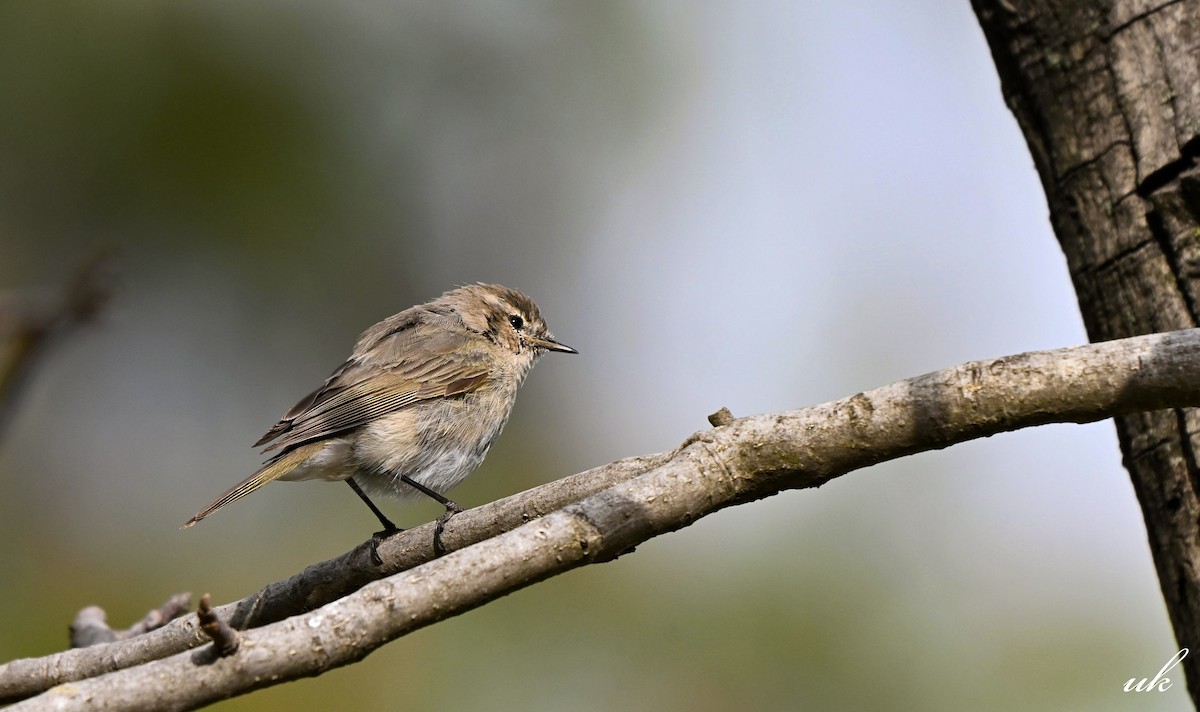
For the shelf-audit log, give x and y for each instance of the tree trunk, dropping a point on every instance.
(1107, 93)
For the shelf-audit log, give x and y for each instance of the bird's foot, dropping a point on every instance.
(440, 525)
(377, 538)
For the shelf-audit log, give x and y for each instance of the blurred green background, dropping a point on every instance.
(758, 205)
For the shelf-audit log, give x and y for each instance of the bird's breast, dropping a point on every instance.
(437, 443)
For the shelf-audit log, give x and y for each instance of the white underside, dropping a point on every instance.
(376, 456)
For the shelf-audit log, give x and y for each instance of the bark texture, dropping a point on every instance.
(1107, 93)
(506, 546)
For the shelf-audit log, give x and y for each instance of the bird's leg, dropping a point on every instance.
(441, 499)
(388, 527)
(451, 509)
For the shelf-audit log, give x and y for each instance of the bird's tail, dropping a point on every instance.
(273, 470)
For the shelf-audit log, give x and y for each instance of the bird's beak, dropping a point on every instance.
(550, 344)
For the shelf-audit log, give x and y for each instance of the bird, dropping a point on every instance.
(416, 406)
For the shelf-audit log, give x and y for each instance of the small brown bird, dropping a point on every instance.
(416, 406)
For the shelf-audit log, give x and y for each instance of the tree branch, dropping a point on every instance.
(31, 334)
(747, 459)
(318, 584)
(90, 626)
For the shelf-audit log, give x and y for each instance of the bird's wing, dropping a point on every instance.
(380, 382)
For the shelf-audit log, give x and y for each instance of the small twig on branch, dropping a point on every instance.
(225, 639)
(721, 418)
(751, 458)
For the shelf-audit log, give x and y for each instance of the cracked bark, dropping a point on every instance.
(1106, 94)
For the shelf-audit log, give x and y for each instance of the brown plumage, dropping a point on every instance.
(418, 403)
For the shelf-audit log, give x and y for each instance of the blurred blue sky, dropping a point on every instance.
(758, 205)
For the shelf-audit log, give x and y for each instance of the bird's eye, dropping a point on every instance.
(516, 321)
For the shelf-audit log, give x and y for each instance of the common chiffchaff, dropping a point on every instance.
(418, 403)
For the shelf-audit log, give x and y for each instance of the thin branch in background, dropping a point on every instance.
(174, 607)
(90, 626)
(32, 335)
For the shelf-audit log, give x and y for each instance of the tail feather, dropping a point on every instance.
(269, 472)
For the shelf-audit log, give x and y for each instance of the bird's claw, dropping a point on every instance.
(377, 538)
(440, 525)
